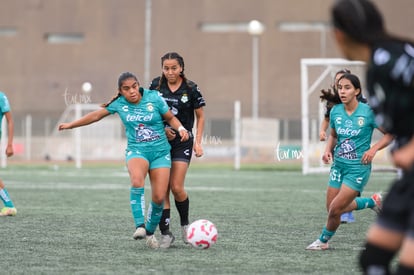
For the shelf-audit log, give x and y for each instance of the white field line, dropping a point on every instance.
(68, 186)
(109, 186)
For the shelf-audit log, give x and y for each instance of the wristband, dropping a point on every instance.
(181, 128)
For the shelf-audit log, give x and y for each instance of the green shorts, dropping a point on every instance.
(353, 176)
(156, 159)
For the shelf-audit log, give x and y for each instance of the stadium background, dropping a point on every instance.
(43, 77)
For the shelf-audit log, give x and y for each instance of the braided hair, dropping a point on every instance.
(180, 60)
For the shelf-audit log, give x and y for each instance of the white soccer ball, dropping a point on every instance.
(202, 234)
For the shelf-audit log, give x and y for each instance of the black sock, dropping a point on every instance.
(183, 209)
(374, 259)
(165, 222)
(404, 270)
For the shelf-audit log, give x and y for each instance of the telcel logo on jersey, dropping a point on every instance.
(139, 117)
(348, 132)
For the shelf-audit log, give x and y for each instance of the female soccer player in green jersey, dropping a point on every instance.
(142, 112)
(352, 124)
(8, 209)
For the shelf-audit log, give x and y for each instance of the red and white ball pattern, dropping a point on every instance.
(202, 234)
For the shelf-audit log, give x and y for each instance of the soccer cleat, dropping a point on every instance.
(378, 202)
(8, 211)
(184, 229)
(152, 242)
(166, 240)
(344, 217)
(318, 245)
(351, 217)
(140, 233)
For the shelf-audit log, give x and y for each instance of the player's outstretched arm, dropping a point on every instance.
(85, 120)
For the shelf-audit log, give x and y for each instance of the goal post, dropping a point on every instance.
(318, 74)
(99, 141)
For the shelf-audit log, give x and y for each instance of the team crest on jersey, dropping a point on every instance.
(184, 98)
(361, 121)
(150, 107)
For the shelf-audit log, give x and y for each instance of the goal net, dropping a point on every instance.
(318, 74)
(98, 141)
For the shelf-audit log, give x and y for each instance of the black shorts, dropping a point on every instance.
(398, 207)
(182, 151)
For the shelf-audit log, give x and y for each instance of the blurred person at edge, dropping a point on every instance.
(360, 33)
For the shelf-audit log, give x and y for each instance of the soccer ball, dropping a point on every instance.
(202, 234)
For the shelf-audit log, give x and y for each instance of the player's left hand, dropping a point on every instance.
(368, 156)
(9, 150)
(198, 150)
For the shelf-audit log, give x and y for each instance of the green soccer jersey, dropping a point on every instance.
(354, 132)
(143, 122)
(4, 107)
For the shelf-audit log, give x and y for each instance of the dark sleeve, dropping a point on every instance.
(154, 83)
(328, 109)
(196, 96)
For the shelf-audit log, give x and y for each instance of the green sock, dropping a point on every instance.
(363, 203)
(326, 235)
(153, 217)
(137, 201)
(4, 195)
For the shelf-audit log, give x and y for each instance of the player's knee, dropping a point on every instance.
(177, 189)
(158, 198)
(334, 212)
(375, 260)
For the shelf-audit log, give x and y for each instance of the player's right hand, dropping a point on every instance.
(327, 157)
(64, 126)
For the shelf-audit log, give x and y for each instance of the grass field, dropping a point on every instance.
(78, 221)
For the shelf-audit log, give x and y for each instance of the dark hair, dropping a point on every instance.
(342, 71)
(122, 77)
(359, 19)
(357, 84)
(354, 81)
(176, 56)
(331, 96)
(180, 60)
